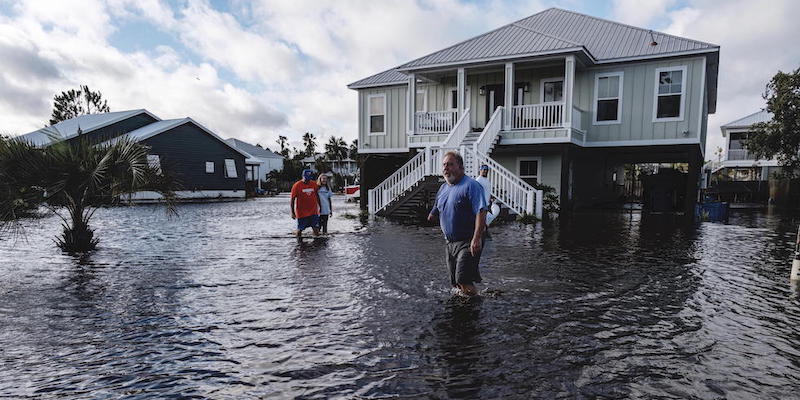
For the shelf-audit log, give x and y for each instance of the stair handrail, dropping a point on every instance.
(490, 132)
(398, 182)
(459, 131)
(508, 188)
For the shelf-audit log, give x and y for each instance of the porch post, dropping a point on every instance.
(509, 101)
(411, 104)
(569, 83)
(462, 88)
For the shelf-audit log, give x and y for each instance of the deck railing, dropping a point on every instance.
(435, 121)
(739, 154)
(459, 131)
(490, 132)
(397, 183)
(537, 116)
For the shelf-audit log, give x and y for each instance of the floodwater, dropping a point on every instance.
(218, 303)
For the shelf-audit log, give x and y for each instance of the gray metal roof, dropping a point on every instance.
(550, 31)
(68, 129)
(744, 122)
(253, 149)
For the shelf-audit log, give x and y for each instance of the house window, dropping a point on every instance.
(154, 161)
(230, 168)
(422, 100)
(209, 167)
(529, 169)
(608, 98)
(453, 102)
(552, 90)
(377, 114)
(670, 93)
(520, 97)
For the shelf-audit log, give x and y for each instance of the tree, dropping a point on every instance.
(72, 179)
(310, 144)
(719, 152)
(283, 141)
(74, 103)
(780, 137)
(336, 148)
(354, 149)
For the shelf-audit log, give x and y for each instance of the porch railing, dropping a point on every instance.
(397, 183)
(739, 154)
(435, 121)
(490, 132)
(538, 116)
(459, 131)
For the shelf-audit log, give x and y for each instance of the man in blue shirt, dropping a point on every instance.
(461, 209)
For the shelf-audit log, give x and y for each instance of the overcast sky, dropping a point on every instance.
(256, 70)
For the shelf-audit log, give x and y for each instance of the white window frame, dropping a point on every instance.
(424, 93)
(210, 167)
(369, 114)
(227, 168)
(597, 78)
(538, 168)
(450, 105)
(681, 114)
(541, 89)
(154, 161)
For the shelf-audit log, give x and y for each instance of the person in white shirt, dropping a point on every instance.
(494, 208)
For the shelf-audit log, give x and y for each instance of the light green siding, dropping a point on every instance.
(395, 136)
(550, 169)
(638, 96)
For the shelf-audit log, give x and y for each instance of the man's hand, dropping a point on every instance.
(475, 246)
(293, 216)
(431, 217)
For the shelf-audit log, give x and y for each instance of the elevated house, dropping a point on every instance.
(558, 98)
(206, 166)
(259, 163)
(345, 167)
(741, 177)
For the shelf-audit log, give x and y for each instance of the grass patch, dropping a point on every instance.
(527, 219)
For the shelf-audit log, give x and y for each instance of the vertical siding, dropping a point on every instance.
(395, 136)
(637, 103)
(551, 166)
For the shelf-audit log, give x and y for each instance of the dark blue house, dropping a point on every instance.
(206, 166)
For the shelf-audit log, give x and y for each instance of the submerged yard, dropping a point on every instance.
(221, 303)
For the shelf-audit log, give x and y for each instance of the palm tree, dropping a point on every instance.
(283, 141)
(336, 148)
(72, 179)
(353, 152)
(310, 144)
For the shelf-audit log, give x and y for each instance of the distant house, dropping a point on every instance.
(345, 167)
(206, 166)
(260, 161)
(741, 177)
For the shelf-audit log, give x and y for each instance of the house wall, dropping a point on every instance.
(550, 166)
(637, 103)
(185, 150)
(394, 140)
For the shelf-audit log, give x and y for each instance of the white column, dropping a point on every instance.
(509, 101)
(411, 104)
(569, 83)
(462, 88)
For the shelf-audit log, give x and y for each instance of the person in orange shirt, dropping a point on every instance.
(305, 204)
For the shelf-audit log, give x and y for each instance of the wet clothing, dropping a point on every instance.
(325, 195)
(311, 221)
(323, 223)
(462, 264)
(457, 205)
(307, 203)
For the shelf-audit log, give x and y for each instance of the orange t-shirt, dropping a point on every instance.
(307, 203)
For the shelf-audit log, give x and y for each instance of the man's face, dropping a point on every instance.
(484, 173)
(451, 170)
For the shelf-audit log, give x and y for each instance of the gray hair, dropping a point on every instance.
(454, 154)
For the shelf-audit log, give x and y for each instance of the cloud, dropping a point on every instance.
(640, 13)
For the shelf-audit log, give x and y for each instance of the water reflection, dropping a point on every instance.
(223, 303)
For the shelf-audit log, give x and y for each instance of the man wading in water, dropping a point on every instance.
(305, 204)
(461, 209)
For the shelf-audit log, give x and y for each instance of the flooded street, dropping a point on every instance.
(221, 303)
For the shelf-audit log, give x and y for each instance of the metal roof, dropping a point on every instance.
(68, 129)
(744, 122)
(252, 149)
(551, 31)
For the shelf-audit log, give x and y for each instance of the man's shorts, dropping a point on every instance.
(462, 264)
(312, 221)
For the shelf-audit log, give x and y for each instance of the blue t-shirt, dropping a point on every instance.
(457, 205)
(324, 200)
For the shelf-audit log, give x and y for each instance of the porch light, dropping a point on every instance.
(526, 87)
(482, 91)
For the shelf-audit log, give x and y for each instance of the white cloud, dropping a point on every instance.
(640, 13)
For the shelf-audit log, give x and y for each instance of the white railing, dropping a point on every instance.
(459, 132)
(435, 121)
(538, 116)
(397, 183)
(739, 154)
(490, 132)
(577, 119)
(510, 189)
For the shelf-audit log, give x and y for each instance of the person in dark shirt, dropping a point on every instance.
(461, 209)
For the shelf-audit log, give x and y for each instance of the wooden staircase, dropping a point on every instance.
(415, 203)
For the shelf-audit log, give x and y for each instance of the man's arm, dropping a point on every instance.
(292, 205)
(480, 225)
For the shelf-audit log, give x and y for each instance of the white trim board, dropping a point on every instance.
(538, 160)
(384, 150)
(369, 114)
(682, 111)
(620, 90)
(621, 143)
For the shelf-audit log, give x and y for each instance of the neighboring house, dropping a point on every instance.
(205, 165)
(741, 177)
(558, 98)
(260, 161)
(346, 167)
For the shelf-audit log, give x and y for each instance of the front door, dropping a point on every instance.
(495, 97)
